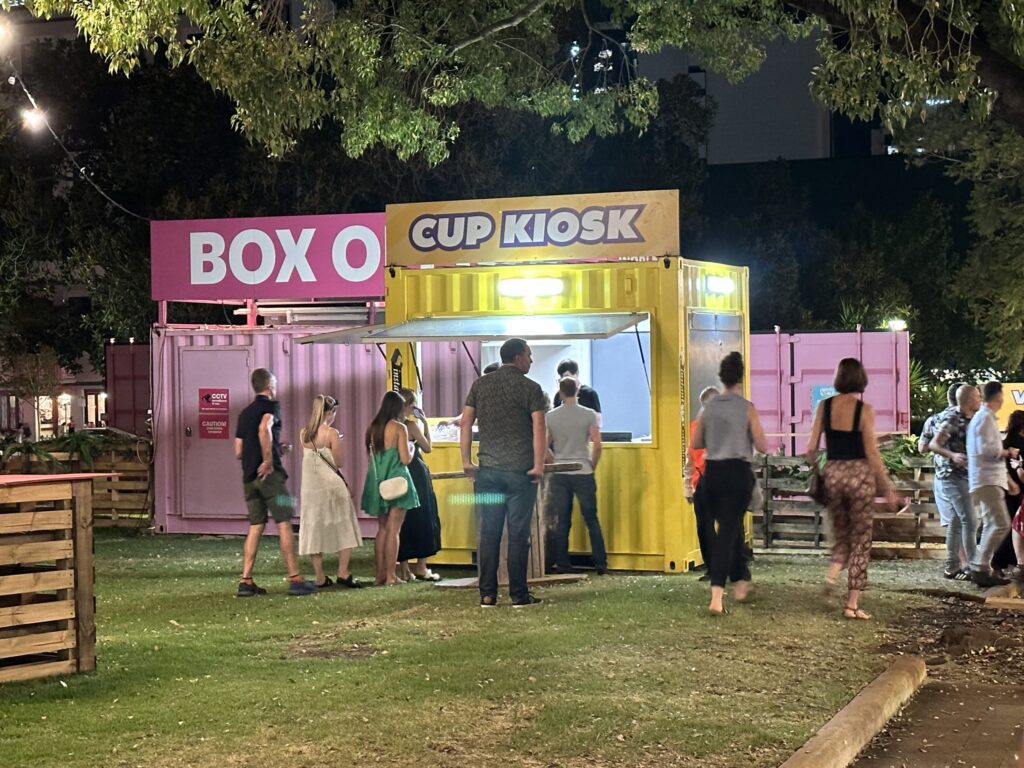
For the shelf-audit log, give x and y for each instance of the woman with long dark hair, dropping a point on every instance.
(728, 430)
(1011, 554)
(329, 522)
(387, 440)
(420, 536)
(853, 471)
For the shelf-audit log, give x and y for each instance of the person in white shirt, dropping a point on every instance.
(987, 478)
(574, 435)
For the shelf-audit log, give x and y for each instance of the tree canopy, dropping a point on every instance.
(389, 72)
(402, 85)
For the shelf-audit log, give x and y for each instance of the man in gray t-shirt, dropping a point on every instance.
(573, 436)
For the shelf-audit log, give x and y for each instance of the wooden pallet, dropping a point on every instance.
(47, 608)
(123, 501)
(789, 519)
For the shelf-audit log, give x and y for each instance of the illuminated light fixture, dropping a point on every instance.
(530, 287)
(33, 119)
(6, 34)
(720, 284)
(103, 395)
(897, 324)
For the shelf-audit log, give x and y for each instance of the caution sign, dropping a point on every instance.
(214, 407)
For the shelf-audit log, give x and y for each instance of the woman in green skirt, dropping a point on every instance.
(387, 440)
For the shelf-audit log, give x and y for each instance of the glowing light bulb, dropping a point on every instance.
(33, 119)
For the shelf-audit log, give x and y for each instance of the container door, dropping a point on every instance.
(214, 389)
(769, 386)
(710, 338)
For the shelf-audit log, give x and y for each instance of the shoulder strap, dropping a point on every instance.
(856, 415)
(828, 415)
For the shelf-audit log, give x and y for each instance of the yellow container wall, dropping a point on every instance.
(646, 521)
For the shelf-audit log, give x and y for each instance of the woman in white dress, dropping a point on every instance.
(328, 515)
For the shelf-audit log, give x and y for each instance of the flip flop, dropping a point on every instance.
(856, 614)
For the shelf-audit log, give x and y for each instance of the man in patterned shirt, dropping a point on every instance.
(510, 409)
(928, 432)
(950, 448)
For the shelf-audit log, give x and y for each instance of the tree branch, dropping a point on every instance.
(994, 70)
(498, 26)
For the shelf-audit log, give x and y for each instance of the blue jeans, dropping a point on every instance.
(941, 501)
(501, 495)
(962, 529)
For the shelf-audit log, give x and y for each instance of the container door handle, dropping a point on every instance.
(188, 431)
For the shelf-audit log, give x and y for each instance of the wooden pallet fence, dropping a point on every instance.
(122, 501)
(790, 519)
(127, 499)
(47, 607)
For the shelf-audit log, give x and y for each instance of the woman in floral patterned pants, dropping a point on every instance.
(853, 471)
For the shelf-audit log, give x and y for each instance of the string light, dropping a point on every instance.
(35, 119)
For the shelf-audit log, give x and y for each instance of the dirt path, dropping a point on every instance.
(971, 713)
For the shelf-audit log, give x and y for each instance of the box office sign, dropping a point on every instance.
(565, 227)
(279, 257)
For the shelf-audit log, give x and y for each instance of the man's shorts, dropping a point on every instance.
(269, 496)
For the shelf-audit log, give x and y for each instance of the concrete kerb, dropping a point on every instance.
(843, 737)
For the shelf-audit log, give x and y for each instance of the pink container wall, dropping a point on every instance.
(786, 367)
(198, 480)
(447, 373)
(127, 384)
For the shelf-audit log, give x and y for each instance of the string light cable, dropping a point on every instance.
(38, 115)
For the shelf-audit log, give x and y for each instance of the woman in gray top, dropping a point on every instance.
(729, 430)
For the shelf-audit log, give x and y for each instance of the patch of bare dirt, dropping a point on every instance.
(963, 641)
(321, 647)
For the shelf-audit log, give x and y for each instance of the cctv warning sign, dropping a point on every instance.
(214, 407)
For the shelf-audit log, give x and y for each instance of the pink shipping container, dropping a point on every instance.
(791, 372)
(127, 382)
(201, 383)
(197, 479)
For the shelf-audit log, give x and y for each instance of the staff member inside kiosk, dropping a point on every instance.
(587, 396)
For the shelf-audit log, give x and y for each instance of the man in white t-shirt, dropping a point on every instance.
(574, 435)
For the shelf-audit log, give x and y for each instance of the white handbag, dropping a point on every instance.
(392, 488)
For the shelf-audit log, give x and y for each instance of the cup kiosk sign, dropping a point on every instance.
(279, 257)
(609, 226)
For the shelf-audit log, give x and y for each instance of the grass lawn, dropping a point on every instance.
(625, 670)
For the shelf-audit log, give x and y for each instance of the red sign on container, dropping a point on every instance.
(213, 427)
(213, 400)
(214, 406)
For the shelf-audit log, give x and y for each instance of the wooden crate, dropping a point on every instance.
(47, 607)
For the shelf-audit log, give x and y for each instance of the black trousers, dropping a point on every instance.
(727, 486)
(705, 525)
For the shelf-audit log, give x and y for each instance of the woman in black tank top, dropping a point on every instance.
(853, 472)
